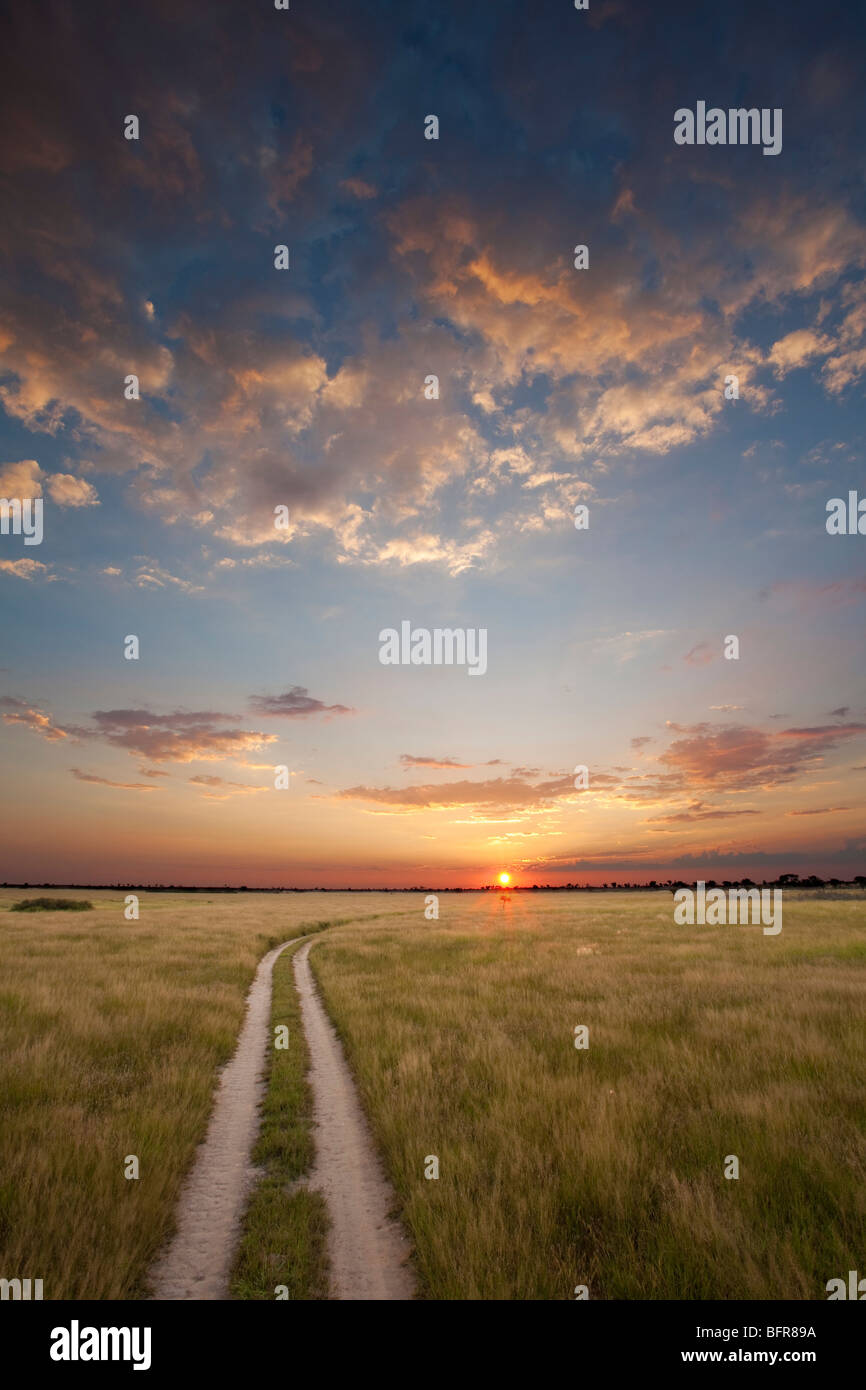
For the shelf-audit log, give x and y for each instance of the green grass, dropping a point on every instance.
(557, 1166)
(286, 1225)
(604, 1167)
(112, 1033)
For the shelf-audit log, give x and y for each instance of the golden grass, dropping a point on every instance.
(111, 1036)
(557, 1166)
(604, 1167)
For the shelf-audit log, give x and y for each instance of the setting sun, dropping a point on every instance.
(505, 879)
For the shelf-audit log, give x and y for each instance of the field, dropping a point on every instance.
(111, 1034)
(558, 1167)
(605, 1167)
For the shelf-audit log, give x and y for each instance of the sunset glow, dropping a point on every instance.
(426, 416)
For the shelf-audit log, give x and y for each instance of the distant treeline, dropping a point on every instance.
(669, 885)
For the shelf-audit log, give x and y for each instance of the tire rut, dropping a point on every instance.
(196, 1264)
(368, 1248)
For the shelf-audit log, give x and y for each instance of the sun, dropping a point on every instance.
(505, 879)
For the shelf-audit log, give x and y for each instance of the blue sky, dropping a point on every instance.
(305, 388)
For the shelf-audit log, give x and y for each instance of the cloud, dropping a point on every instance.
(181, 737)
(294, 703)
(797, 349)
(410, 761)
(811, 596)
(698, 811)
(105, 782)
(630, 359)
(426, 549)
(19, 712)
(501, 793)
(153, 576)
(712, 861)
(69, 491)
(700, 655)
(725, 758)
(358, 188)
(226, 786)
(256, 391)
(284, 175)
(736, 757)
(843, 370)
(26, 568)
(23, 479)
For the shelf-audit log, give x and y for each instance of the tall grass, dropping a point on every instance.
(605, 1166)
(111, 1037)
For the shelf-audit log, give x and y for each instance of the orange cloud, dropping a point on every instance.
(19, 712)
(105, 782)
(738, 757)
(409, 761)
(502, 793)
(179, 737)
(68, 491)
(26, 569)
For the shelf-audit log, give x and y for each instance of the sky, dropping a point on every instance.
(308, 389)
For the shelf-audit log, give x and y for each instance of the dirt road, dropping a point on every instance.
(197, 1262)
(368, 1249)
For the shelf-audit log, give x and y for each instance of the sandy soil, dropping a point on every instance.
(368, 1250)
(197, 1262)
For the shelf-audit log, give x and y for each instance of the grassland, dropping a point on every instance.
(111, 1035)
(605, 1166)
(558, 1166)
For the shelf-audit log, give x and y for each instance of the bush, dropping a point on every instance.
(52, 905)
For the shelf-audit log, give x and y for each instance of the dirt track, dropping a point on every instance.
(197, 1262)
(368, 1249)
